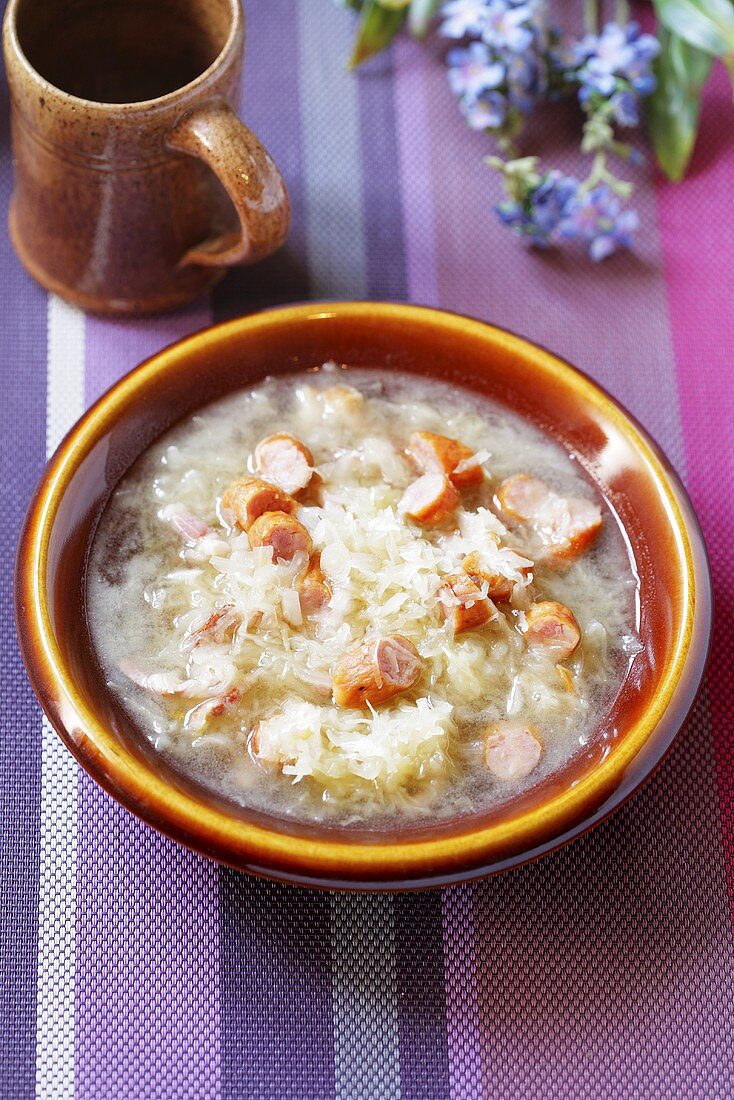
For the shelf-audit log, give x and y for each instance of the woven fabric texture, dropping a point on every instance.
(135, 969)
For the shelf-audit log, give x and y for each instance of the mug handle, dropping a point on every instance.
(213, 133)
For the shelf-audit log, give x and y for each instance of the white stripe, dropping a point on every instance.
(366, 1040)
(332, 162)
(57, 903)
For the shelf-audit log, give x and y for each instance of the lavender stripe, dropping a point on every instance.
(417, 200)
(385, 252)
(22, 432)
(147, 937)
(418, 948)
(462, 1011)
(271, 109)
(275, 978)
(116, 345)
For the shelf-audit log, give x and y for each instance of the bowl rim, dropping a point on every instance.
(330, 862)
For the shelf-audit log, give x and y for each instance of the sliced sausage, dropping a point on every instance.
(521, 497)
(437, 454)
(430, 499)
(248, 498)
(313, 591)
(376, 671)
(499, 588)
(463, 604)
(511, 750)
(283, 533)
(568, 525)
(285, 461)
(552, 626)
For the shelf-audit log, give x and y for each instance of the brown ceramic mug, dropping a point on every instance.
(136, 185)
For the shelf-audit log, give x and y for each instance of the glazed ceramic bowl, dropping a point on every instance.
(661, 529)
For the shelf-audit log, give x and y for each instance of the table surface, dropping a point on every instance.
(136, 969)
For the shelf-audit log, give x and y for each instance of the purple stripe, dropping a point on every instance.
(22, 447)
(275, 991)
(385, 252)
(147, 1008)
(272, 110)
(115, 346)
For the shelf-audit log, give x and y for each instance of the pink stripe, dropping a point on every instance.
(698, 246)
(412, 122)
(147, 994)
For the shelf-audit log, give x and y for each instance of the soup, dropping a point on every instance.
(352, 596)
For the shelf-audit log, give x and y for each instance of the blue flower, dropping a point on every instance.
(598, 218)
(473, 70)
(625, 110)
(463, 17)
(614, 65)
(509, 27)
(526, 81)
(544, 208)
(487, 112)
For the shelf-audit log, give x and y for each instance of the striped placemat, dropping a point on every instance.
(134, 969)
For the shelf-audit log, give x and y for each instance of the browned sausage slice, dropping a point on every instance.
(313, 591)
(248, 498)
(284, 533)
(499, 588)
(376, 671)
(437, 454)
(430, 499)
(568, 525)
(463, 604)
(285, 461)
(511, 750)
(552, 626)
(521, 497)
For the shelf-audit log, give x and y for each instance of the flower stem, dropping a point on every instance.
(591, 16)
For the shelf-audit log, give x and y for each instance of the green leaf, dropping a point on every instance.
(377, 28)
(672, 110)
(420, 14)
(706, 24)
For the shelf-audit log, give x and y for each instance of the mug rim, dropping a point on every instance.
(326, 862)
(235, 38)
